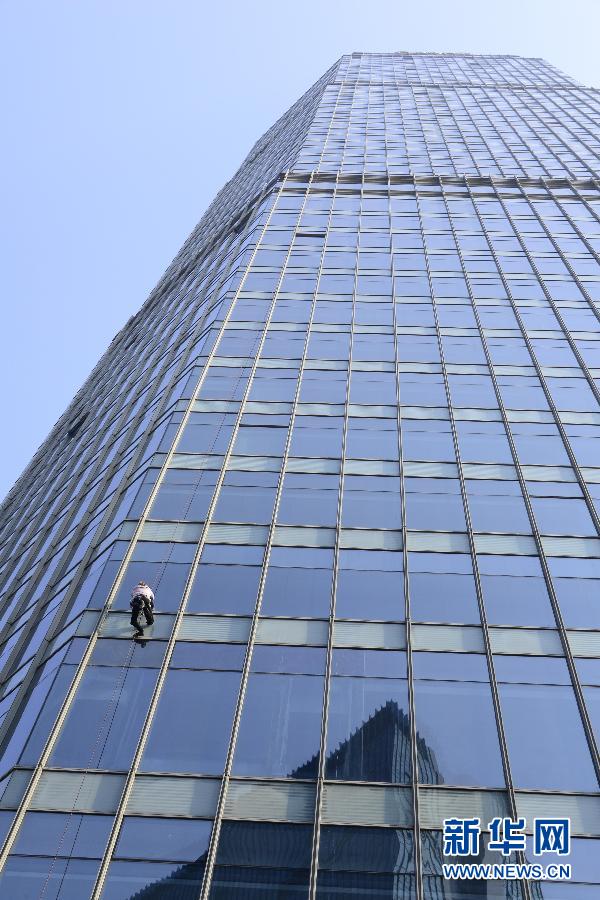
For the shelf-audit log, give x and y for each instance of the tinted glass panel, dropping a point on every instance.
(192, 724)
(280, 726)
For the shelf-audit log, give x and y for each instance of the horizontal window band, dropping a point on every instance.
(375, 635)
(182, 532)
(117, 624)
(529, 641)
(437, 804)
(437, 542)
(91, 792)
(254, 463)
(13, 789)
(273, 409)
(313, 465)
(218, 629)
(505, 544)
(299, 536)
(585, 644)
(256, 535)
(196, 461)
(359, 410)
(166, 795)
(216, 406)
(338, 365)
(363, 538)
(579, 547)
(320, 409)
(583, 810)
(293, 632)
(270, 801)
(367, 804)
(447, 638)
(372, 467)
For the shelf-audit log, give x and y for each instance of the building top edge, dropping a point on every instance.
(443, 53)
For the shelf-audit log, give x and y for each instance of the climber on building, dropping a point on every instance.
(142, 601)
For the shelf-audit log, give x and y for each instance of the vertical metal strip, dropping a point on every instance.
(99, 884)
(473, 553)
(218, 820)
(418, 854)
(587, 726)
(51, 741)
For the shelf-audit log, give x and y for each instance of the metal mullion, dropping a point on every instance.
(417, 108)
(475, 125)
(522, 484)
(419, 889)
(568, 148)
(474, 561)
(92, 388)
(40, 465)
(97, 378)
(577, 185)
(40, 458)
(67, 474)
(582, 237)
(564, 148)
(354, 83)
(314, 867)
(319, 162)
(65, 706)
(130, 779)
(547, 393)
(21, 508)
(561, 628)
(447, 111)
(104, 442)
(506, 142)
(526, 124)
(220, 810)
(517, 132)
(566, 331)
(314, 871)
(114, 466)
(587, 113)
(54, 627)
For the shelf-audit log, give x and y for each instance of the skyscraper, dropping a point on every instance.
(352, 442)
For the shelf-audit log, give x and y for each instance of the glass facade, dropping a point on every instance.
(352, 441)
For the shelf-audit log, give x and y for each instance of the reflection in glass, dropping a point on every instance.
(368, 732)
(280, 726)
(261, 860)
(365, 862)
(456, 730)
(152, 881)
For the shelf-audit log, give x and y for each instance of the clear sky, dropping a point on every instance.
(121, 119)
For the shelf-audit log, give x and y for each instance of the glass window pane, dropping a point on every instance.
(105, 719)
(192, 724)
(280, 726)
(164, 839)
(126, 880)
(458, 736)
(368, 734)
(546, 741)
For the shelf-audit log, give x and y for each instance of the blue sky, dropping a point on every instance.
(121, 121)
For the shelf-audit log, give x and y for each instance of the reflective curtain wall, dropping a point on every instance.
(352, 443)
